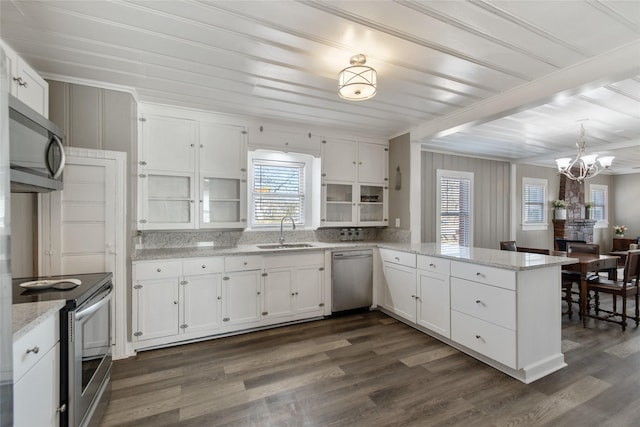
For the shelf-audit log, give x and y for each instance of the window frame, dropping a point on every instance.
(530, 225)
(310, 170)
(601, 223)
(452, 174)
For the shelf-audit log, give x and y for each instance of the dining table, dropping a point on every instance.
(589, 263)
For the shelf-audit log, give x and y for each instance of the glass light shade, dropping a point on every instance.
(606, 161)
(357, 83)
(563, 163)
(589, 160)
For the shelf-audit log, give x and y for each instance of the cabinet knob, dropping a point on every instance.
(226, 319)
(20, 81)
(264, 313)
(293, 294)
(201, 146)
(62, 408)
(175, 302)
(137, 334)
(354, 162)
(478, 337)
(142, 163)
(219, 297)
(159, 270)
(397, 259)
(193, 145)
(359, 163)
(34, 350)
(204, 266)
(258, 293)
(432, 265)
(478, 274)
(245, 263)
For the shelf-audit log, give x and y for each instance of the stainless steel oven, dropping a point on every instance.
(85, 342)
(89, 357)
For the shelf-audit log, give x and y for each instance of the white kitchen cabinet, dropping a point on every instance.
(373, 163)
(355, 184)
(400, 290)
(284, 139)
(26, 84)
(192, 171)
(293, 285)
(36, 388)
(433, 295)
(176, 299)
(241, 299)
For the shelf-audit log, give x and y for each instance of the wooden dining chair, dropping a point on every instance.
(625, 288)
(508, 245)
(572, 278)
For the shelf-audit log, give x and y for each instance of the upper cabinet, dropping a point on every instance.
(354, 183)
(192, 171)
(26, 83)
(271, 137)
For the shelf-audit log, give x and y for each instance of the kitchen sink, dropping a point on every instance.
(285, 246)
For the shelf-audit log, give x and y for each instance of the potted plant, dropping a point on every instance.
(559, 209)
(619, 230)
(587, 210)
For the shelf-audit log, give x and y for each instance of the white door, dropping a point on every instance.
(83, 227)
(400, 290)
(339, 160)
(241, 297)
(309, 283)
(223, 149)
(433, 302)
(168, 143)
(278, 293)
(372, 163)
(158, 308)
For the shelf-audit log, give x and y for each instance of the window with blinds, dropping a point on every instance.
(455, 207)
(534, 199)
(599, 196)
(277, 191)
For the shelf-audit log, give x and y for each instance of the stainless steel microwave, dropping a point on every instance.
(35, 149)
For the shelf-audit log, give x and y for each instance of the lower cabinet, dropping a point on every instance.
(400, 294)
(36, 388)
(182, 299)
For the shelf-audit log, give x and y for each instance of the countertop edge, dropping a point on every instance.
(26, 316)
(418, 249)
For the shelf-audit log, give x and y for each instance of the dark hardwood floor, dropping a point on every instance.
(371, 370)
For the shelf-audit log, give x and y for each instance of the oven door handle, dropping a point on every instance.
(81, 314)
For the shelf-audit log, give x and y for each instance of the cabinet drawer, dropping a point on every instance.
(483, 274)
(495, 305)
(397, 257)
(242, 262)
(195, 266)
(32, 347)
(488, 339)
(293, 260)
(157, 269)
(436, 265)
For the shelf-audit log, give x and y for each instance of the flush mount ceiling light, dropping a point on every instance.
(358, 82)
(589, 165)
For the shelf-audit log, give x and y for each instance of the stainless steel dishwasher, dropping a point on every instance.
(351, 280)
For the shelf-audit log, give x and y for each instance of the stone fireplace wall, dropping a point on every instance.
(575, 227)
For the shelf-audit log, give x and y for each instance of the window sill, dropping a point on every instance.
(601, 224)
(535, 227)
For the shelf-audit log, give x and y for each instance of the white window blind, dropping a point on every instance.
(534, 194)
(277, 191)
(599, 196)
(455, 210)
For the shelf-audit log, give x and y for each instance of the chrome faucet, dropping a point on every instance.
(281, 224)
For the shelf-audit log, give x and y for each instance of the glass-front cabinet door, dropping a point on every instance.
(222, 202)
(339, 206)
(167, 201)
(372, 206)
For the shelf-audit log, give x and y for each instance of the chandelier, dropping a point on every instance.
(589, 165)
(358, 82)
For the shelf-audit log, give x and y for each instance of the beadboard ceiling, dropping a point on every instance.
(498, 79)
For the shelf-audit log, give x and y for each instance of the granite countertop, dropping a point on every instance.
(29, 315)
(490, 257)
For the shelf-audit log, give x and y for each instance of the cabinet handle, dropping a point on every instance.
(478, 337)
(432, 265)
(293, 294)
(184, 326)
(258, 293)
(62, 408)
(413, 296)
(142, 163)
(142, 175)
(354, 162)
(245, 263)
(264, 313)
(243, 169)
(137, 286)
(225, 278)
(478, 301)
(201, 146)
(265, 274)
(143, 221)
(193, 145)
(20, 82)
(359, 163)
(34, 350)
(397, 259)
(219, 297)
(204, 266)
(159, 270)
(175, 302)
(478, 274)
(184, 282)
(226, 319)
(321, 304)
(321, 269)
(137, 334)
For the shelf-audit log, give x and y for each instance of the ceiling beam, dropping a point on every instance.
(609, 67)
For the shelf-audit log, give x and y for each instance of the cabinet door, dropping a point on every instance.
(338, 205)
(168, 143)
(241, 297)
(433, 302)
(373, 163)
(278, 294)
(157, 304)
(223, 201)
(223, 149)
(372, 205)
(166, 201)
(309, 286)
(201, 301)
(339, 160)
(400, 290)
(36, 396)
(32, 89)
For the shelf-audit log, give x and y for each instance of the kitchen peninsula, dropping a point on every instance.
(503, 308)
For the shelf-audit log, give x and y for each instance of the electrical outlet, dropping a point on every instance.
(397, 222)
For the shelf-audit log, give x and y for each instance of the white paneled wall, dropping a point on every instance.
(491, 212)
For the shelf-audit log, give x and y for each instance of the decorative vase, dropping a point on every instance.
(619, 236)
(560, 213)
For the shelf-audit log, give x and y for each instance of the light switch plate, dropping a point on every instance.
(397, 222)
